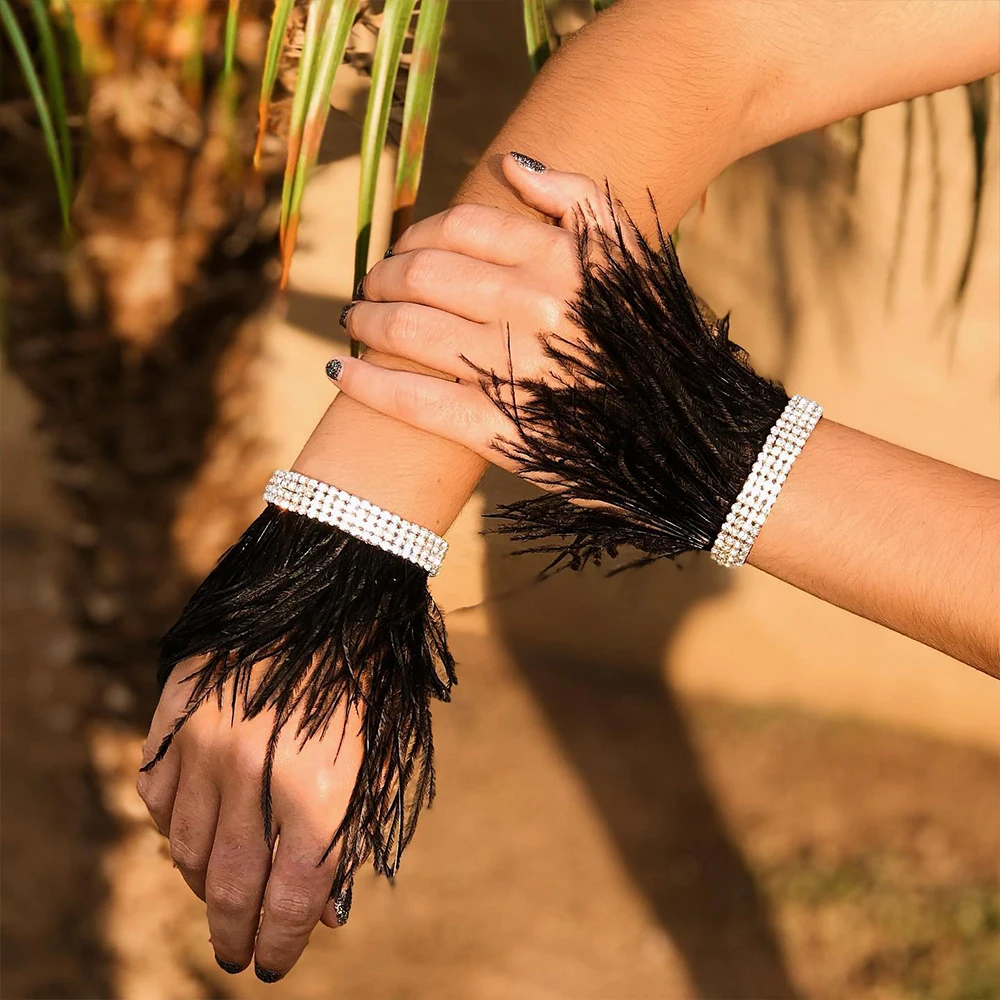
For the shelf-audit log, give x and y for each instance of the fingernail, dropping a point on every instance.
(231, 967)
(334, 369)
(387, 254)
(342, 904)
(266, 975)
(359, 291)
(528, 162)
(343, 314)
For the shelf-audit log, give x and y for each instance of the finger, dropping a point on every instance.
(457, 284)
(453, 410)
(313, 783)
(562, 196)
(429, 337)
(338, 909)
(297, 891)
(237, 872)
(192, 826)
(157, 786)
(481, 231)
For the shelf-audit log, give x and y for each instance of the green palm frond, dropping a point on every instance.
(328, 23)
(416, 111)
(385, 67)
(59, 154)
(229, 44)
(537, 35)
(275, 41)
(52, 66)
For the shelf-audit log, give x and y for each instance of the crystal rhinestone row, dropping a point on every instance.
(360, 518)
(747, 516)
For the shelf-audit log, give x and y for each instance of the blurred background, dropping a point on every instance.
(675, 782)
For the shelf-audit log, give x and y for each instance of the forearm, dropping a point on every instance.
(896, 537)
(817, 63)
(677, 111)
(662, 97)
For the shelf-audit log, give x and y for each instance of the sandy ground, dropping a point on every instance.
(669, 784)
(595, 837)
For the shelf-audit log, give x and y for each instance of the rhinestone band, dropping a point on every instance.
(748, 514)
(360, 518)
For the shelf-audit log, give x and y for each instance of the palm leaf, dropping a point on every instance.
(416, 111)
(327, 56)
(385, 65)
(315, 18)
(62, 11)
(21, 52)
(192, 21)
(275, 41)
(536, 33)
(52, 65)
(229, 48)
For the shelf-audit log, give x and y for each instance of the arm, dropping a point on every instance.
(650, 425)
(695, 86)
(708, 83)
(902, 539)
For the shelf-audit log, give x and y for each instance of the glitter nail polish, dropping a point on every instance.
(528, 162)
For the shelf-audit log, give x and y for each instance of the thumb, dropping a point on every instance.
(562, 196)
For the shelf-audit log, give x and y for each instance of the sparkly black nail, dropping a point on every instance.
(266, 975)
(343, 314)
(359, 292)
(387, 254)
(342, 904)
(231, 967)
(334, 369)
(528, 162)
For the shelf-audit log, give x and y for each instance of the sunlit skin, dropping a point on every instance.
(891, 535)
(652, 95)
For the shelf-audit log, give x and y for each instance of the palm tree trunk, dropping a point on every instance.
(137, 342)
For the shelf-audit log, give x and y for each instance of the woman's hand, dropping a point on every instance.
(472, 288)
(205, 795)
(453, 286)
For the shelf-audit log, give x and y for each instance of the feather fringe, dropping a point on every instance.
(309, 623)
(651, 424)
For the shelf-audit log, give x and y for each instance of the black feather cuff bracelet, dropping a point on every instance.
(306, 622)
(651, 424)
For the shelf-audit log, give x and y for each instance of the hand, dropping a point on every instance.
(455, 288)
(205, 795)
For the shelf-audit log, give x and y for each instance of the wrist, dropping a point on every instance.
(414, 474)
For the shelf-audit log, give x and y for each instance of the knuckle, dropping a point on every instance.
(185, 856)
(145, 789)
(419, 268)
(248, 758)
(550, 310)
(293, 907)
(585, 187)
(228, 897)
(400, 327)
(458, 220)
(404, 402)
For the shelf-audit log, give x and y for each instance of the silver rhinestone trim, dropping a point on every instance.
(360, 518)
(783, 445)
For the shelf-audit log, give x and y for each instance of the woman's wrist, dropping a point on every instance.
(410, 472)
(894, 536)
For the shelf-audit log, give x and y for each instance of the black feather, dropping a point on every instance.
(307, 622)
(652, 422)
